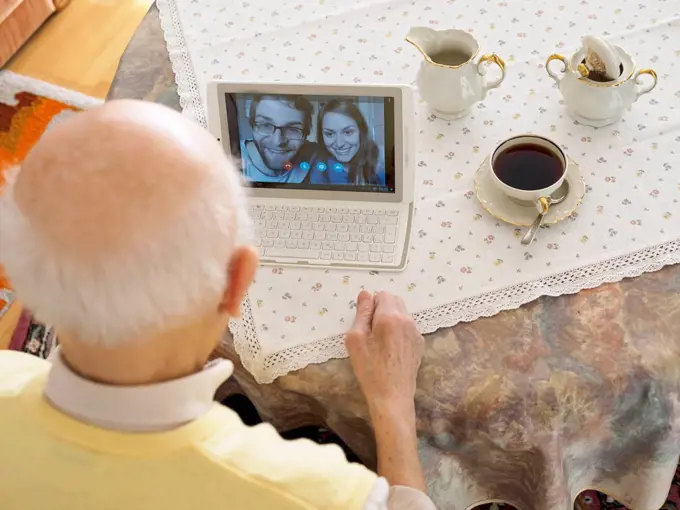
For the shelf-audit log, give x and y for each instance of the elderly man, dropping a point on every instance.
(121, 230)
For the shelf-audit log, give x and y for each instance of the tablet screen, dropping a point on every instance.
(338, 143)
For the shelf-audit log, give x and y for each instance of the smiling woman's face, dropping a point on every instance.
(341, 136)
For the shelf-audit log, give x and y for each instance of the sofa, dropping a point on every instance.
(19, 19)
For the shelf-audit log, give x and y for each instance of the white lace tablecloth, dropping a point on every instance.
(464, 264)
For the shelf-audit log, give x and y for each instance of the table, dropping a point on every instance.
(530, 406)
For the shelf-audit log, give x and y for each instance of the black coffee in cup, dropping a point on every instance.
(528, 166)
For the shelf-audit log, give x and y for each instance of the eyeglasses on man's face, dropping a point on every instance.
(288, 132)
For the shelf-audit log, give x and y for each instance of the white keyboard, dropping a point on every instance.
(327, 234)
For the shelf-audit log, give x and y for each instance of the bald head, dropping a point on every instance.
(129, 205)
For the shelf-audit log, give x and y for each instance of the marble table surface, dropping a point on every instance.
(530, 406)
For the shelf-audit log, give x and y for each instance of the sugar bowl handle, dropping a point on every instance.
(491, 57)
(642, 89)
(565, 65)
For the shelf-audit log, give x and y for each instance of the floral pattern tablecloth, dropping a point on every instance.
(463, 263)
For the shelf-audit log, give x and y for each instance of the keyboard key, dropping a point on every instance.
(295, 225)
(372, 220)
(319, 236)
(283, 225)
(279, 243)
(284, 234)
(367, 238)
(389, 220)
(355, 211)
(391, 235)
(339, 246)
(350, 256)
(366, 229)
(362, 257)
(388, 248)
(331, 210)
(351, 247)
(301, 216)
(348, 218)
(360, 219)
(270, 207)
(355, 238)
(375, 248)
(316, 245)
(261, 224)
(392, 213)
(367, 211)
(257, 242)
(331, 227)
(267, 243)
(338, 255)
(363, 247)
(298, 254)
(291, 243)
(379, 212)
(303, 243)
(261, 232)
(332, 236)
(336, 218)
(308, 235)
(374, 257)
(325, 218)
(272, 233)
(313, 217)
(319, 209)
(295, 208)
(279, 215)
(268, 215)
(289, 216)
(378, 229)
(327, 245)
(343, 237)
(297, 234)
(344, 228)
(326, 255)
(378, 238)
(306, 225)
(282, 208)
(355, 229)
(388, 257)
(272, 224)
(318, 227)
(342, 210)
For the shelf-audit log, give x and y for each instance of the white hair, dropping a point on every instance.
(178, 271)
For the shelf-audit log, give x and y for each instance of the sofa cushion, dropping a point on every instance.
(19, 19)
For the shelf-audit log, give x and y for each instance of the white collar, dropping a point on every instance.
(148, 408)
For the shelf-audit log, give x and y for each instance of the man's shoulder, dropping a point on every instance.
(317, 474)
(17, 369)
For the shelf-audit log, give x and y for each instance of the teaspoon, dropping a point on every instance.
(544, 203)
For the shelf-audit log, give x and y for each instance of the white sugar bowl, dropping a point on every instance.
(599, 103)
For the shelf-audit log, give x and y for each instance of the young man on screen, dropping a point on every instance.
(279, 151)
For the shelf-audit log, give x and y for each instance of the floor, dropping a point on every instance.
(79, 47)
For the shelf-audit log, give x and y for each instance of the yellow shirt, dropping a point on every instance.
(51, 461)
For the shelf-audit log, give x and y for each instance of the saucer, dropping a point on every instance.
(499, 205)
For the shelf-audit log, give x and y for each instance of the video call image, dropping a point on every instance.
(314, 142)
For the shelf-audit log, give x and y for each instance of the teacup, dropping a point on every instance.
(528, 167)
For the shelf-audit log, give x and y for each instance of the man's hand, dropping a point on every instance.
(385, 349)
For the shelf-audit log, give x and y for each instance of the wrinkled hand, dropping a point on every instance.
(385, 349)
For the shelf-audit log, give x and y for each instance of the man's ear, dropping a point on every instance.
(240, 274)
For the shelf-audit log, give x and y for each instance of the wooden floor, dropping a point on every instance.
(79, 47)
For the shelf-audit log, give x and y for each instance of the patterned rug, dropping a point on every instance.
(27, 109)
